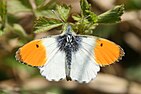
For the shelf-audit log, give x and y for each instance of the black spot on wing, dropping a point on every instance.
(101, 44)
(37, 46)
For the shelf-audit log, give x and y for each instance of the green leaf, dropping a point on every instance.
(16, 6)
(3, 14)
(76, 17)
(111, 16)
(45, 9)
(1, 32)
(83, 25)
(86, 12)
(92, 17)
(19, 30)
(45, 13)
(45, 5)
(44, 24)
(63, 12)
(50, 5)
(85, 6)
(39, 2)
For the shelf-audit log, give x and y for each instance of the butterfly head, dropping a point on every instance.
(68, 30)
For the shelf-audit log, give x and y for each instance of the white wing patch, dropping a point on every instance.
(84, 67)
(54, 68)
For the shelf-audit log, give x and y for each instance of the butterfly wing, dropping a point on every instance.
(107, 52)
(33, 53)
(54, 68)
(93, 52)
(44, 54)
(84, 67)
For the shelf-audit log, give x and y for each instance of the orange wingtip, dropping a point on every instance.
(107, 52)
(33, 53)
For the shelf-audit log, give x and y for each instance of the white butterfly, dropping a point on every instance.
(69, 56)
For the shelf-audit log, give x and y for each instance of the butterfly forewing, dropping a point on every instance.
(54, 69)
(33, 53)
(45, 54)
(107, 52)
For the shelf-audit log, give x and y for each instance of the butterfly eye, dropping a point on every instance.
(101, 44)
(37, 45)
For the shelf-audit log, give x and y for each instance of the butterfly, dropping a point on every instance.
(69, 56)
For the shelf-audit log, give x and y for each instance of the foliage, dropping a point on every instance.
(22, 20)
(111, 16)
(3, 12)
(86, 22)
(44, 24)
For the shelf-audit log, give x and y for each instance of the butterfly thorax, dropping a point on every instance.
(69, 42)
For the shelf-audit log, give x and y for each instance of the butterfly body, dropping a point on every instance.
(70, 56)
(69, 44)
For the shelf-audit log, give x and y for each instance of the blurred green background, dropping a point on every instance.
(123, 77)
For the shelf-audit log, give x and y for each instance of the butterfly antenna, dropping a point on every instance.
(69, 28)
(57, 16)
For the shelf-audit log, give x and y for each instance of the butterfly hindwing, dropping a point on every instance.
(54, 69)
